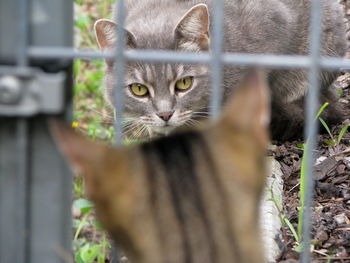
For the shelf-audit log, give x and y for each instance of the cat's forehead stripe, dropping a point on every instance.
(149, 73)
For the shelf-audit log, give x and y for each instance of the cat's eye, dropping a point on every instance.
(183, 84)
(138, 89)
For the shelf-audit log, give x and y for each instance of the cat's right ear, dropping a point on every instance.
(248, 109)
(105, 31)
(192, 31)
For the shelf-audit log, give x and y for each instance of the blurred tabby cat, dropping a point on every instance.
(162, 96)
(191, 197)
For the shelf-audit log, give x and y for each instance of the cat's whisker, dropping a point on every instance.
(129, 119)
(131, 127)
(201, 112)
(145, 132)
(149, 131)
(137, 133)
(127, 124)
(139, 130)
(190, 122)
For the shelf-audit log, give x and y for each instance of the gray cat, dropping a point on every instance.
(161, 96)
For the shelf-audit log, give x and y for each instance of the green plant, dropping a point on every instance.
(304, 167)
(335, 140)
(283, 218)
(78, 186)
(88, 252)
(303, 181)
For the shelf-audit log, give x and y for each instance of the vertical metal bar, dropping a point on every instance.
(22, 41)
(311, 127)
(216, 57)
(22, 142)
(22, 190)
(119, 64)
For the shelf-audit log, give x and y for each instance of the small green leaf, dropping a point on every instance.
(76, 223)
(299, 248)
(292, 229)
(325, 105)
(90, 253)
(78, 258)
(326, 127)
(329, 142)
(300, 145)
(83, 205)
(97, 225)
(82, 22)
(342, 132)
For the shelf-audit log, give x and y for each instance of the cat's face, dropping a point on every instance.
(160, 97)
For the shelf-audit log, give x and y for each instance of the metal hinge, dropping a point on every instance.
(31, 91)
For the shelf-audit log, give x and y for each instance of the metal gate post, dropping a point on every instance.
(35, 184)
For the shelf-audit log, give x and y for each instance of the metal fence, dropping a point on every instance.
(34, 206)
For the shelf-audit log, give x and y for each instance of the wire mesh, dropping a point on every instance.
(216, 58)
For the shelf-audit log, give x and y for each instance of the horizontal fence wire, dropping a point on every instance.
(235, 59)
(310, 131)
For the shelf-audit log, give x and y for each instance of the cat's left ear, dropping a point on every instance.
(192, 31)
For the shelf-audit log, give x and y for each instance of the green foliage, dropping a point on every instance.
(83, 205)
(83, 22)
(283, 218)
(335, 140)
(303, 187)
(78, 186)
(342, 132)
(88, 252)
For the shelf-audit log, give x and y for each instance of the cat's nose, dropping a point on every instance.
(165, 116)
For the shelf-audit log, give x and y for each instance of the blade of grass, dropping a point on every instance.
(325, 105)
(342, 132)
(327, 128)
(80, 227)
(303, 186)
(292, 229)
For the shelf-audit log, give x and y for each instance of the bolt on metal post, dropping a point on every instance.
(10, 90)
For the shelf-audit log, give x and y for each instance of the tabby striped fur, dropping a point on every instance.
(191, 197)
